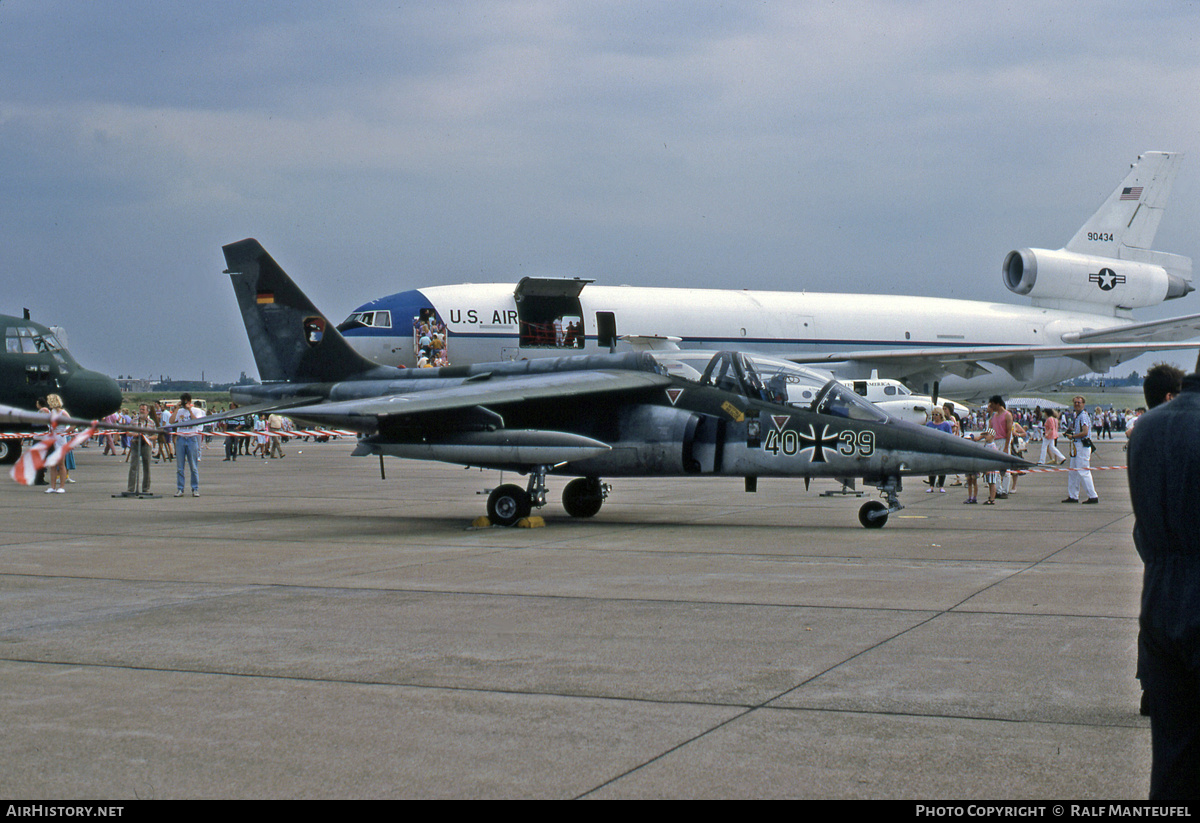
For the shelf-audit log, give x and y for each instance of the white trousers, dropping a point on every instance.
(1081, 472)
(1049, 445)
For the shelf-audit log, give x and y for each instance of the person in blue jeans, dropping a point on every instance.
(187, 445)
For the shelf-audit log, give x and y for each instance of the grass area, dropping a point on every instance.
(131, 400)
(1122, 397)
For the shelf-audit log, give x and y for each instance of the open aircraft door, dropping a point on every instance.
(549, 314)
(606, 330)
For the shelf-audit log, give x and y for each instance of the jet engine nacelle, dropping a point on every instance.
(1053, 277)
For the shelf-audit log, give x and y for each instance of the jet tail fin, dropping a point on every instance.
(290, 338)
(1130, 216)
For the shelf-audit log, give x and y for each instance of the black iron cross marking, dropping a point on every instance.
(818, 444)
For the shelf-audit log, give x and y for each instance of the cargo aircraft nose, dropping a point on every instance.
(90, 394)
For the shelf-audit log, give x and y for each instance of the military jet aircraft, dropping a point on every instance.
(636, 414)
(35, 363)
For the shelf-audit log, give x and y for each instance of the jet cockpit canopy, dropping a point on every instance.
(769, 379)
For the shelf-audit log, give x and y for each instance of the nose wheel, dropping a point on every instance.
(874, 515)
(507, 504)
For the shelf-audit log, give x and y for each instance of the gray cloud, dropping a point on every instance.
(375, 147)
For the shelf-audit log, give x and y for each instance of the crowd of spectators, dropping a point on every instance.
(429, 340)
(1106, 422)
(267, 434)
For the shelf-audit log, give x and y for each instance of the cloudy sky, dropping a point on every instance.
(372, 147)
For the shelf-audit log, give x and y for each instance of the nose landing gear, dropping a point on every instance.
(874, 515)
(507, 504)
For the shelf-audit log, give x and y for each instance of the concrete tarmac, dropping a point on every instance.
(304, 629)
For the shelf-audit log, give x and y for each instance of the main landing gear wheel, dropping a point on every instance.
(583, 496)
(508, 504)
(873, 515)
(10, 450)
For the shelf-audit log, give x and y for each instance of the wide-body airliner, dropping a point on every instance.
(1079, 320)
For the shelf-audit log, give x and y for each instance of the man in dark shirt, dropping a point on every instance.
(1164, 458)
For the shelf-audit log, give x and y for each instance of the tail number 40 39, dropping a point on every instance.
(848, 442)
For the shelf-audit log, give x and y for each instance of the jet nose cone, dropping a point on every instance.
(91, 395)
(938, 452)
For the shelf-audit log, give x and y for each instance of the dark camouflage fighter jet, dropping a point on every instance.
(637, 414)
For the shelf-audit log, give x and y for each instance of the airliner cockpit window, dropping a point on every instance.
(367, 319)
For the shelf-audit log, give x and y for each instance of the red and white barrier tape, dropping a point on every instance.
(1068, 469)
(285, 435)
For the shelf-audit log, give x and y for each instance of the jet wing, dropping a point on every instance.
(968, 362)
(477, 395)
(1155, 331)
